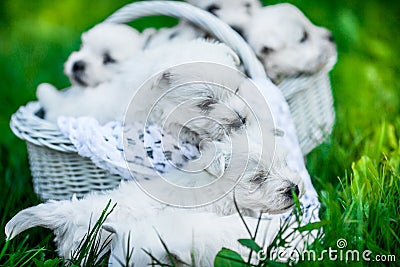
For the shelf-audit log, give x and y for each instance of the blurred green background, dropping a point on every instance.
(36, 38)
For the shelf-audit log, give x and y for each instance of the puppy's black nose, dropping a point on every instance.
(78, 66)
(291, 190)
(296, 190)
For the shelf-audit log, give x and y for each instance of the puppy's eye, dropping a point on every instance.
(304, 37)
(247, 5)
(259, 179)
(213, 8)
(238, 30)
(107, 59)
(266, 50)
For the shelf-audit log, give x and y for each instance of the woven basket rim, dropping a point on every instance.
(26, 125)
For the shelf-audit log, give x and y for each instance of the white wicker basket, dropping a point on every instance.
(311, 104)
(59, 172)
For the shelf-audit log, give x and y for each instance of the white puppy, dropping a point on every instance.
(105, 49)
(288, 44)
(70, 220)
(182, 32)
(108, 100)
(236, 13)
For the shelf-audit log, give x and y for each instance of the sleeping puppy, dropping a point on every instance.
(266, 190)
(288, 44)
(285, 41)
(236, 13)
(183, 31)
(105, 49)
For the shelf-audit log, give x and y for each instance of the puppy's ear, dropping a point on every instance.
(217, 167)
(48, 215)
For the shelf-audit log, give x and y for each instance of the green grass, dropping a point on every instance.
(356, 172)
(363, 208)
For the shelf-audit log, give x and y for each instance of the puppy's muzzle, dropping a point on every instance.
(79, 66)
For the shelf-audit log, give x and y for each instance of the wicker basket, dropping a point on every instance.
(59, 172)
(311, 104)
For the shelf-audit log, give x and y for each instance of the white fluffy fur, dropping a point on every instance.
(203, 233)
(200, 234)
(288, 43)
(194, 237)
(235, 13)
(182, 32)
(104, 50)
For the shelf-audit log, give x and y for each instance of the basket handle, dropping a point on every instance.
(200, 18)
(253, 67)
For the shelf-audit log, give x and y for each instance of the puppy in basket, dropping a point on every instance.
(104, 51)
(111, 66)
(288, 44)
(283, 38)
(236, 13)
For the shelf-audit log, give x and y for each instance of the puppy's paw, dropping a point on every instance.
(214, 155)
(46, 92)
